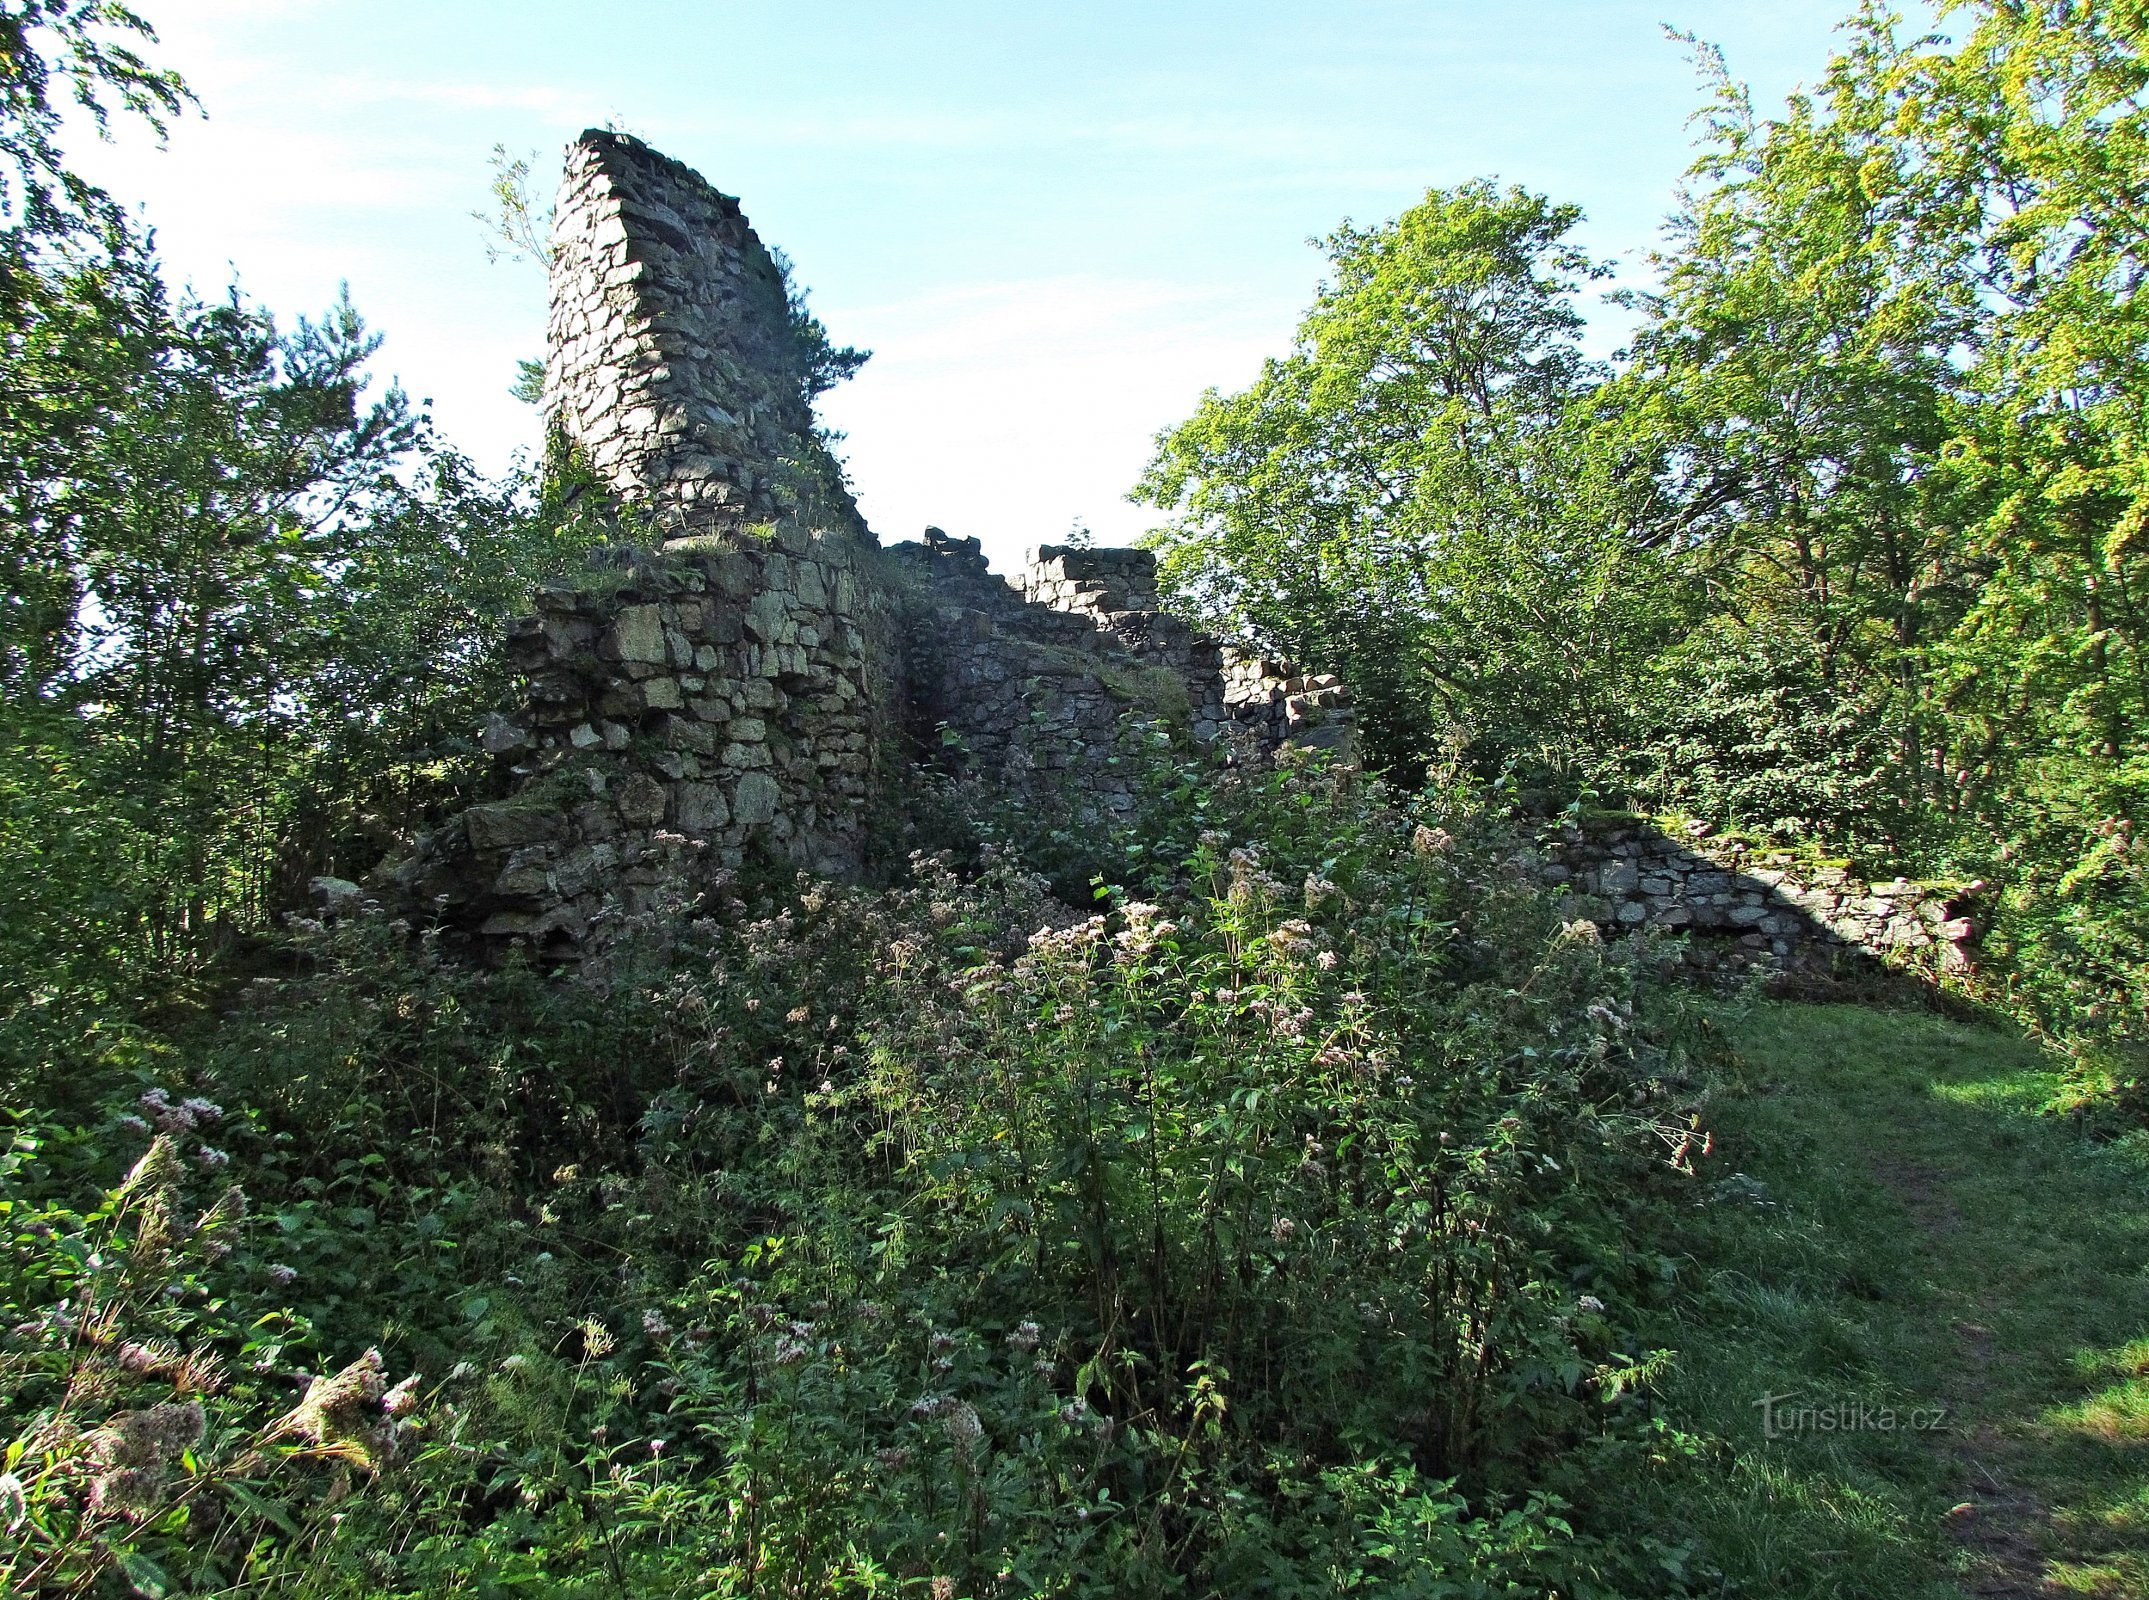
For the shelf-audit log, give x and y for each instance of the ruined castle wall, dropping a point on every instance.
(743, 683)
(1035, 699)
(685, 712)
(732, 695)
(1264, 701)
(670, 362)
(1744, 906)
(1039, 676)
(743, 680)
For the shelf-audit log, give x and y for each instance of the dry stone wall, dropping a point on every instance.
(745, 682)
(1260, 699)
(671, 365)
(1746, 907)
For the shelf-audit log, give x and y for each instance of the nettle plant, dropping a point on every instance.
(154, 1444)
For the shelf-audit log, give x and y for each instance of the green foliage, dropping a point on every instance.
(252, 619)
(519, 224)
(84, 47)
(822, 362)
(1265, 1233)
(1414, 498)
(1847, 546)
(1797, 384)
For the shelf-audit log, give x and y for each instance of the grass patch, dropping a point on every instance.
(1940, 1290)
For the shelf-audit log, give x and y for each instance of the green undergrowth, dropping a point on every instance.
(1903, 1234)
(1267, 1225)
(1309, 1211)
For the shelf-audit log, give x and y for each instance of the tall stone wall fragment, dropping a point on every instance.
(671, 364)
(746, 679)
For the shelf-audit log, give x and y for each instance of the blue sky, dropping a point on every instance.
(1054, 224)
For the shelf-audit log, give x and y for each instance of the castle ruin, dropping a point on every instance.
(752, 677)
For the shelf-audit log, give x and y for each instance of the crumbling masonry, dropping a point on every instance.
(755, 674)
(752, 680)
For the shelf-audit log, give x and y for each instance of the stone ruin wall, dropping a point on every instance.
(1034, 682)
(1230, 691)
(748, 678)
(723, 684)
(670, 363)
(1751, 908)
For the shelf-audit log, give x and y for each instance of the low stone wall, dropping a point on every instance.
(1749, 906)
(737, 697)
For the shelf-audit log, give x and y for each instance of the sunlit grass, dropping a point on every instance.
(2118, 1414)
(1914, 1225)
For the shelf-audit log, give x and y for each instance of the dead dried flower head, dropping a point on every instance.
(340, 1416)
(964, 1429)
(159, 1168)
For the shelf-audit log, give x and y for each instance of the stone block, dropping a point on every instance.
(640, 801)
(698, 809)
(501, 737)
(636, 635)
(522, 882)
(756, 800)
(507, 826)
(687, 733)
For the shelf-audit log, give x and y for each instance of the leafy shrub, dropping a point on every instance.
(149, 1447)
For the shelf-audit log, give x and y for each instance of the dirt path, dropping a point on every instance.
(1934, 1237)
(2003, 1527)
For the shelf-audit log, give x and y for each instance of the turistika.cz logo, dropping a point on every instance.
(1784, 1414)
